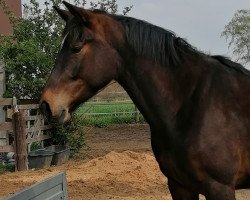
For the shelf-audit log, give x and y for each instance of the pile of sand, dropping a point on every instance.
(126, 175)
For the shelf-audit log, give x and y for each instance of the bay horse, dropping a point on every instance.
(197, 105)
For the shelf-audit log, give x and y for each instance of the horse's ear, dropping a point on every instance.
(63, 13)
(80, 13)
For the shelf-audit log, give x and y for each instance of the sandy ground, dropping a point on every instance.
(118, 164)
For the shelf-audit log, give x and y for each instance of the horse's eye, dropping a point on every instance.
(76, 49)
(89, 38)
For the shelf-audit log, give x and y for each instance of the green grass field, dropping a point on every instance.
(105, 114)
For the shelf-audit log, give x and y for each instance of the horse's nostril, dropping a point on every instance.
(45, 109)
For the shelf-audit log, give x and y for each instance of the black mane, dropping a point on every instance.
(163, 46)
(233, 65)
(154, 42)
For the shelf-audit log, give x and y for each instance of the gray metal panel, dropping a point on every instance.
(53, 188)
(50, 194)
(65, 192)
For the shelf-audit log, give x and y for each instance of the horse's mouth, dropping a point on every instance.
(64, 117)
(66, 114)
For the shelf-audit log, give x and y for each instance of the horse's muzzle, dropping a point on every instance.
(61, 115)
(45, 110)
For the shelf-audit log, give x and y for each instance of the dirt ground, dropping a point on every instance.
(118, 164)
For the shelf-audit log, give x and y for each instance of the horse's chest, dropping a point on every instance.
(165, 158)
(172, 161)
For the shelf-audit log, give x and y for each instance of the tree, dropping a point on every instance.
(237, 31)
(30, 52)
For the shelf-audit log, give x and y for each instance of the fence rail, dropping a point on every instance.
(36, 128)
(7, 148)
(111, 113)
(6, 101)
(109, 102)
(101, 108)
(25, 125)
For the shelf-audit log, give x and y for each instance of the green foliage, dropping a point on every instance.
(237, 31)
(35, 145)
(110, 6)
(6, 168)
(24, 81)
(69, 134)
(30, 52)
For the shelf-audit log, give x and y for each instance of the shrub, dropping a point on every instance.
(71, 134)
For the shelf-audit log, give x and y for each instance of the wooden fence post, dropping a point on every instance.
(4, 139)
(20, 138)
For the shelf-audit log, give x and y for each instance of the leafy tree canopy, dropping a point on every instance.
(237, 32)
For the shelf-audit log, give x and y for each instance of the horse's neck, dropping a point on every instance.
(156, 90)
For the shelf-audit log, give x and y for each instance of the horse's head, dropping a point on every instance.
(86, 62)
